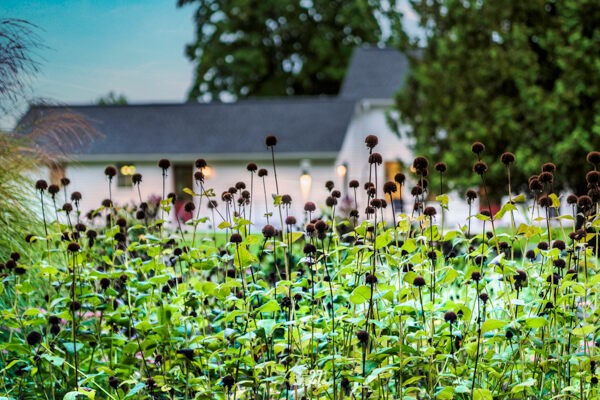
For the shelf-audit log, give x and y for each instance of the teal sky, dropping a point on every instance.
(133, 47)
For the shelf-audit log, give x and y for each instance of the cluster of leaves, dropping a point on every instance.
(331, 307)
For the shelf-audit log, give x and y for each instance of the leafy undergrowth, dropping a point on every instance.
(330, 306)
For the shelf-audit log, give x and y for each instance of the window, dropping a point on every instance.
(124, 175)
(391, 169)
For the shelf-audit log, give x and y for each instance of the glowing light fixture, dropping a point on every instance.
(127, 169)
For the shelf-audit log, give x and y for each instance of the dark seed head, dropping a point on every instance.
(136, 179)
(375, 158)
(371, 141)
(353, 184)
(236, 238)
(419, 281)
(200, 163)
(593, 157)
(584, 202)
(262, 172)
(420, 164)
(228, 380)
(440, 167)
(291, 220)
(429, 211)
(329, 185)
(371, 279)
(164, 164)
(484, 297)
(309, 248)
(110, 171)
(268, 231)
(309, 206)
(535, 185)
(450, 317)
(542, 245)
(34, 338)
(73, 247)
(271, 141)
(545, 202)
(470, 195)
(546, 177)
(559, 244)
(41, 185)
(362, 336)
(53, 189)
(65, 181)
(189, 207)
(390, 187)
(477, 148)
(548, 167)
(507, 158)
(252, 167)
(476, 276)
(480, 168)
(399, 178)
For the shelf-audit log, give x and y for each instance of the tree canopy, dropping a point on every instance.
(112, 98)
(282, 47)
(520, 76)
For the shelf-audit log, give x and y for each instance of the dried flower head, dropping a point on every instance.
(309, 206)
(235, 238)
(362, 336)
(440, 167)
(477, 148)
(535, 185)
(65, 181)
(470, 195)
(390, 187)
(268, 231)
(286, 199)
(548, 167)
(164, 164)
(546, 177)
(419, 281)
(593, 157)
(545, 202)
(329, 185)
(572, 199)
(353, 184)
(200, 163)
(290, 220)
(429, 211)
(189, 207)
(262, 172)
(252, 167)
(507, 158)
(584, 202)
(136, 179)
(34, 338)
(271, 141)
(41, 185)
(399, 178)
(480, 168)
(110, 171)
(53, 190)
(371, 141)
(593, 177)
(420, 164)
(375, 158)
(450, 317)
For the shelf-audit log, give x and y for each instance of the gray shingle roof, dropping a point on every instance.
(312, 124)
(374, 73)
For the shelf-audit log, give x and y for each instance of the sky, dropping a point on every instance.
(93, 47)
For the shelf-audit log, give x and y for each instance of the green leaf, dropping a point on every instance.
(584, 330)
(492, 324)
(383, 240)
(360, 295)
(134, 390)
(224, 225)
(74, 395)
(409, 245)
(54, 360)
(505, 208)
(535, 322)
(555, 200)
(523, 386)
(70, 348)
(243, 258)
(443, 200)
(482, 394)
(296, 236)
(190, 192)
(270, 306)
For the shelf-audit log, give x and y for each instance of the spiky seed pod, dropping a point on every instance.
(476, 276)
(321, 226)
(136, 179)
(330, 201)
(362, 336)
(228, 380)
(336, 194)
(329, 185)
(400, 178)
(371, 141)
(376, 203)
(548, 167)
(286, 199)
(371, 279)
(584, 202)
(542, 246)
(271, 141)
(420, 164)
(41, 185)
(164, 164)
(200, 163)
(419, 281)
(593, 177)
(593, 157)
(240, 185)
(309, 206)
(235, 238)
(291, 220)
(480, 168)
(309, 249)
(535, 185)
(416, 190)
(559, 263)
(354, 213)
(545, 202)
(477, 148)
(507, 158)
(64, 181)
(375, 158)
(34, 338)
(440, 167)
(530, 254)
(53, 190)
(390, 187)
(546, 177)
(559, 244)
(73, 247)
(353, 184)
(189, 207)
(110, 171)
(268, 231)
(471, 195)
(572, 199)
(252, 167)
(450, 317)
(429, 211)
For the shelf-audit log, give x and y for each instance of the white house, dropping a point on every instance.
(319, 139)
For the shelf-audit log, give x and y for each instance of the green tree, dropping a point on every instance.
(282, 47)
(112, 99)
(520, 76)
